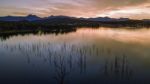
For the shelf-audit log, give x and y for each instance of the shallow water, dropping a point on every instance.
(86, 56)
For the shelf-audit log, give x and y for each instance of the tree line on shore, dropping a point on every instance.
(67, 25)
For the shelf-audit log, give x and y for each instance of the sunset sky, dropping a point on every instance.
(135, 9)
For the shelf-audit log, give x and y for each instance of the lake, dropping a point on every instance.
(85, 56)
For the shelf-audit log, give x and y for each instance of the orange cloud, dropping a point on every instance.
(77, 8)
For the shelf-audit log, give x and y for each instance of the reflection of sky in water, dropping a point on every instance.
(83, 55)
(123, 35)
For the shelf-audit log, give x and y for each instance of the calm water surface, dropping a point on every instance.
(86, 56)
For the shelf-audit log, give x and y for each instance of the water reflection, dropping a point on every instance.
(118, 70)
(87, 56)
(6, 35)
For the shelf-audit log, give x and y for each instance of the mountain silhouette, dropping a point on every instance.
(32, 22)
(107, 19)
(20, 18)
(56, 18)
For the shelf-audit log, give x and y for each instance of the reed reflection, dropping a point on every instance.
(63, 59)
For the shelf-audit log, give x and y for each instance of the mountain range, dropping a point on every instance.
(64, 19)
(56, 18)
(20, 18)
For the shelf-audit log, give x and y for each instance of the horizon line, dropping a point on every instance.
(72, 16)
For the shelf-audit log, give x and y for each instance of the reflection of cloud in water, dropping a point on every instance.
(91, 51)
(122, 35)
(102, 37)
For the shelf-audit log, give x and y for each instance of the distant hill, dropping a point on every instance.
(56, 18)
(20, 18)
(31, 21)
(65, 23)
(63, 20)
(107, 19)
